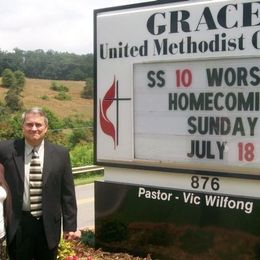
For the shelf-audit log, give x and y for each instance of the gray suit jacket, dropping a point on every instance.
(58, 191)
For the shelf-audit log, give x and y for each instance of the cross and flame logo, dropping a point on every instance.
(107, 126)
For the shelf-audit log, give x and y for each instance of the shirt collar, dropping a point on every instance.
(29, 148)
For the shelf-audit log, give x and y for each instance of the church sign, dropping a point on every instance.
(178, 86)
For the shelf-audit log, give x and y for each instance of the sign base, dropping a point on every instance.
(175, 224)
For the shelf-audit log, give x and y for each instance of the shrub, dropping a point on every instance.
(88, 238)
(59, 87)
(82, 155)
(44, 97)
(82, 136)
(54, 121)
(65, 250)
(10, 124)
(63, 96)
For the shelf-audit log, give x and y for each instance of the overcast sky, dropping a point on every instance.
(59, 25)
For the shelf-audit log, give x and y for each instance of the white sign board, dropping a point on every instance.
(177, 86)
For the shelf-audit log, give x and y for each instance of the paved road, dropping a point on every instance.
(85, 202)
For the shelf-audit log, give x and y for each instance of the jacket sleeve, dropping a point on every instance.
(68, 197)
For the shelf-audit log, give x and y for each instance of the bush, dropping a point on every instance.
(88, 238)
(54, 121)
(76, 122)
(10, 125)
(44, 97)
(65, 250)
(82, 155)
(63, 96)
(59, 87)
(82, 136)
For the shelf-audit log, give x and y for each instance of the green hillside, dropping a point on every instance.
(37, 92)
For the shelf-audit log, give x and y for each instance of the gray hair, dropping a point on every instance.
(35, 110)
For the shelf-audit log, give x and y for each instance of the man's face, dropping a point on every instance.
(34, 129)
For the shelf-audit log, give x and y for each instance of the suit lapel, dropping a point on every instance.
(18, 156)
(47, 164)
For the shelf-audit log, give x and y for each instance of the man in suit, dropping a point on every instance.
(37, 236)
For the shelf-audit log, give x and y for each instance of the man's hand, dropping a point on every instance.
(72, 235)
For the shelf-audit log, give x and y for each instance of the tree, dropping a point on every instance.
(8, 78)
(55, 125)
(80, 135)
(77, 74)
(12, 79)
(54, 122)
(19, 80)
(10, 123)
(15, 81)
(87, 91)
(13, 100)
(48, 65)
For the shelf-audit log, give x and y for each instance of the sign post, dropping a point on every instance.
(177, 106)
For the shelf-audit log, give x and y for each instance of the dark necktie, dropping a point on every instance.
(35, 185)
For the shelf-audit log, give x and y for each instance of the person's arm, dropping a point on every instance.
(68, 199)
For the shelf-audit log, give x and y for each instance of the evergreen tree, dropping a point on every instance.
(19, 80)
(15, 81)
(8, 78)
(87, 91)
(13, 100)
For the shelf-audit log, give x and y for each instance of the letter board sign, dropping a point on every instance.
(177, 87)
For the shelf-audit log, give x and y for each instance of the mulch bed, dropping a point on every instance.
(85, 252)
